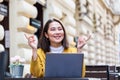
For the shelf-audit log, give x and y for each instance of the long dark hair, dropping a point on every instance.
(44, 42)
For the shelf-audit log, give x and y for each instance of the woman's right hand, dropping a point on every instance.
(32, 41)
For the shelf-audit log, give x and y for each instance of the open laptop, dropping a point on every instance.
(64, 65)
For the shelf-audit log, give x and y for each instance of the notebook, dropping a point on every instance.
(63, 65)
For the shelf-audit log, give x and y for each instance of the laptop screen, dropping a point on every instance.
(64, 65)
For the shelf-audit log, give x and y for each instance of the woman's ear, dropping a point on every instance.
(46, 35)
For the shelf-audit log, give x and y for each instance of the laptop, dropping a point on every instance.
(64, 65)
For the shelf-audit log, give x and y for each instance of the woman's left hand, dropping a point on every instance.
(81, 42)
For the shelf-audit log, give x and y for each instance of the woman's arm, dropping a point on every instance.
(33, 42)
(37, 67)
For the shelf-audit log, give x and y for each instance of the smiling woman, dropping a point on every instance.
(55, 34)
(52, 39)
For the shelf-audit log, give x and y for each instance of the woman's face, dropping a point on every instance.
(55, 33)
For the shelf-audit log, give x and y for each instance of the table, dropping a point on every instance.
(46, 79)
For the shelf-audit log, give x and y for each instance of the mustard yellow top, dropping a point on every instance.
(37, 67)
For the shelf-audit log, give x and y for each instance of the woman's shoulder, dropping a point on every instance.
(71, 49)
(39, 50)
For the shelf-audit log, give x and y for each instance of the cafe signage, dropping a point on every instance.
(35, 23)
(3, 9)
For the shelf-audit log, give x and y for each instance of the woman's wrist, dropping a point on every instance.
(34, 54)
(79, 50)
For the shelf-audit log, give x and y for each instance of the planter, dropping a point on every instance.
(16, 71)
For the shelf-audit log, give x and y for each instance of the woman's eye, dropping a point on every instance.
(60, 29)
(52, 29)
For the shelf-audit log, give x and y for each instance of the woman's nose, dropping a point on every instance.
(57, 31)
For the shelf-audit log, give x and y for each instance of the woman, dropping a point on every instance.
(53, 39)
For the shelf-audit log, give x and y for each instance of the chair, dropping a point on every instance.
(118, 71)
(3, 64)
(112, 73)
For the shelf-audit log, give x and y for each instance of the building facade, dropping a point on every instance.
(80, 18)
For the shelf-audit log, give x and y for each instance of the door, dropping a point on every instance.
(5, 24)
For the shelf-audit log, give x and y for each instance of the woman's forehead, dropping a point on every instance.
(55, 24)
